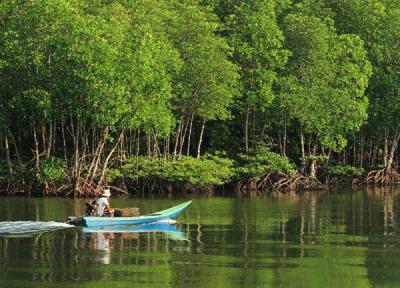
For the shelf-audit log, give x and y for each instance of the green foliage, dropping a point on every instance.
(317, 158)
(52, 170)
(326, 77)
(346, 170)
(3, 171)
(257, 40)
(160, 70)
(19, 171)
(112, 174)
(33, 105)
(206, 83)
(261, 162)
(209, 169)
(377, 23)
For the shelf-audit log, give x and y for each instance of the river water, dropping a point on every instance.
(338, 239)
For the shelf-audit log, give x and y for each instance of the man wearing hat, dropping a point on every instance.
(103, 205)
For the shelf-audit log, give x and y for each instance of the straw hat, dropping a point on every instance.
(106, 193)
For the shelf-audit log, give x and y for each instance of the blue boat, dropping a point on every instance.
(95, 221)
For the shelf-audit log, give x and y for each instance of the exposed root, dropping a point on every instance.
(344, 180)
(298, 183)
(382, 177)
(279, 182)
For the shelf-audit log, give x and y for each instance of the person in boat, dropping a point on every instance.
(103, 207)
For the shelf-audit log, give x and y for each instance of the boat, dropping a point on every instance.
(95, 221)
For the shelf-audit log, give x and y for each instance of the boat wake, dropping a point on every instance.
(19, 228)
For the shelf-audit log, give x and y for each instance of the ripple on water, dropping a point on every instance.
(10, 228)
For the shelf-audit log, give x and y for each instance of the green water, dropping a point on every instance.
(336, 239)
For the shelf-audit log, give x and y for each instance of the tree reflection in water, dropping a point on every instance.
(336, 239)
(129, 238)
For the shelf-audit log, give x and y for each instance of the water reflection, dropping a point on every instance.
(341, 239)
(102, 244)
(171, 231)
(104, 239)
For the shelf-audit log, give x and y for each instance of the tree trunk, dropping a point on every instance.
(361, 158)
(138, 143)
(156, 148)
(96, 159)
(64, 140)
(396, 138)
(148, 141)
(344, 157)
(85, 143)
(8, 158)
(354, 150)
(124, 146)
(369, 154)
(130, 140)
(50, 141)
(44, 140)
(36, 156)
(313, 165)
(189, 136)
(374, 155)
(183, 135)
(166, 148)
(15, 148)
(385, 148)
(200, 138)
(329, 157)
(280, 142)
(53, 145)
(284, 140)
(103, 171)
(77, 157)
(313, 169)
(246, 130)
(177, 135)
(253, 128)
(303, 153)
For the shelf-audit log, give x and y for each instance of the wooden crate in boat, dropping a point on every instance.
(127, 212)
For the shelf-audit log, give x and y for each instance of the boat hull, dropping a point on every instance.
(95, 221)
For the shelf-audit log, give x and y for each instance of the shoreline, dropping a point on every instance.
(227, 190)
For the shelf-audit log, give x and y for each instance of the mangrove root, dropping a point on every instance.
(280, 182)
(382, 177)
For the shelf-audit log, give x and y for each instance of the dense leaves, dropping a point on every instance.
(262, 161)
(347, 170)
(93, 91)
(52, 170)
(204, 171)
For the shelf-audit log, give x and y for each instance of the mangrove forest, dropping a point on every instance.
(192, 96)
